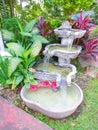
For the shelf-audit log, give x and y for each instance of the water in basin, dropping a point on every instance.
(55, 101)
(62, 48)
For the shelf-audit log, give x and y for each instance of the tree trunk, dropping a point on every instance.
(4, 9)
(12, 2)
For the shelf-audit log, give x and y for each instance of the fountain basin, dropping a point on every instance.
(59, 104)
(62, 51)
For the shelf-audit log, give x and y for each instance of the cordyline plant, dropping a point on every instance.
(84, 24)
(91, 49)
(43, 27)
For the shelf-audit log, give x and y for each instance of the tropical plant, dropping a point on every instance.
(11, 24)
(91, 49)
(54, 23)
(30, 34)
(84, 24)
(7, 67)
(43, 27)
(8, 35)
(62, 8)
(25, 50)
(96, 13)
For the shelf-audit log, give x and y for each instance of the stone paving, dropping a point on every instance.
(13, 118)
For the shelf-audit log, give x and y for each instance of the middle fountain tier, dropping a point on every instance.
(68, 95)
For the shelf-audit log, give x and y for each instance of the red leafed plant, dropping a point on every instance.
(91, 49)
(43, 27)
(84, 24)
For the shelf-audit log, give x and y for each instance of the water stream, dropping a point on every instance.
(46, 62)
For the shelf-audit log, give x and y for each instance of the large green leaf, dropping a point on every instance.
(36, 47)
(27, 52)
(26, 34)
(35, 31)
(20, 26)
(18, 80)
(16, 48)
(39, 38)
(29, 26)
(13, 63)
(4, 67)
(7, 35)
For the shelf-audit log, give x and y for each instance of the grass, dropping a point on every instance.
(86, 120)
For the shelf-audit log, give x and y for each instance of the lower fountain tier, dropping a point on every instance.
(59, 104)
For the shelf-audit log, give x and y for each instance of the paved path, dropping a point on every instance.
(13, 118)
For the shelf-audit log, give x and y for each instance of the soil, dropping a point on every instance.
(14, 96)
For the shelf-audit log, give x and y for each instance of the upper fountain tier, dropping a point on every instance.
(65, 51)
(65, 30)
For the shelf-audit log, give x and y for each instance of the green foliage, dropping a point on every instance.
(31, 11)
(96, 13)
(30, 34)
(23, 57)
(94, 32)
(7, 35)
(29, 26)
(14, 62)
(4, 11)
(15, 48)
(11, 24)
(7, 68)
(61, 8)
(3, 71)
(55, 23)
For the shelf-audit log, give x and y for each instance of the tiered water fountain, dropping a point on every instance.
(63, 100)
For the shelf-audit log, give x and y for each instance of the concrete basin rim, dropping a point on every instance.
(38, 105)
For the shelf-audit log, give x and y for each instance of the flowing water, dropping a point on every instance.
(46, 62)
(70, 44)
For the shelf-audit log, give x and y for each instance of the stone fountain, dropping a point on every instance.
(62, 101)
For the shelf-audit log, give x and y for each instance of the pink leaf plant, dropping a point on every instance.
(91, 49)
(43, 84)
(43, 27)
(84, 24)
